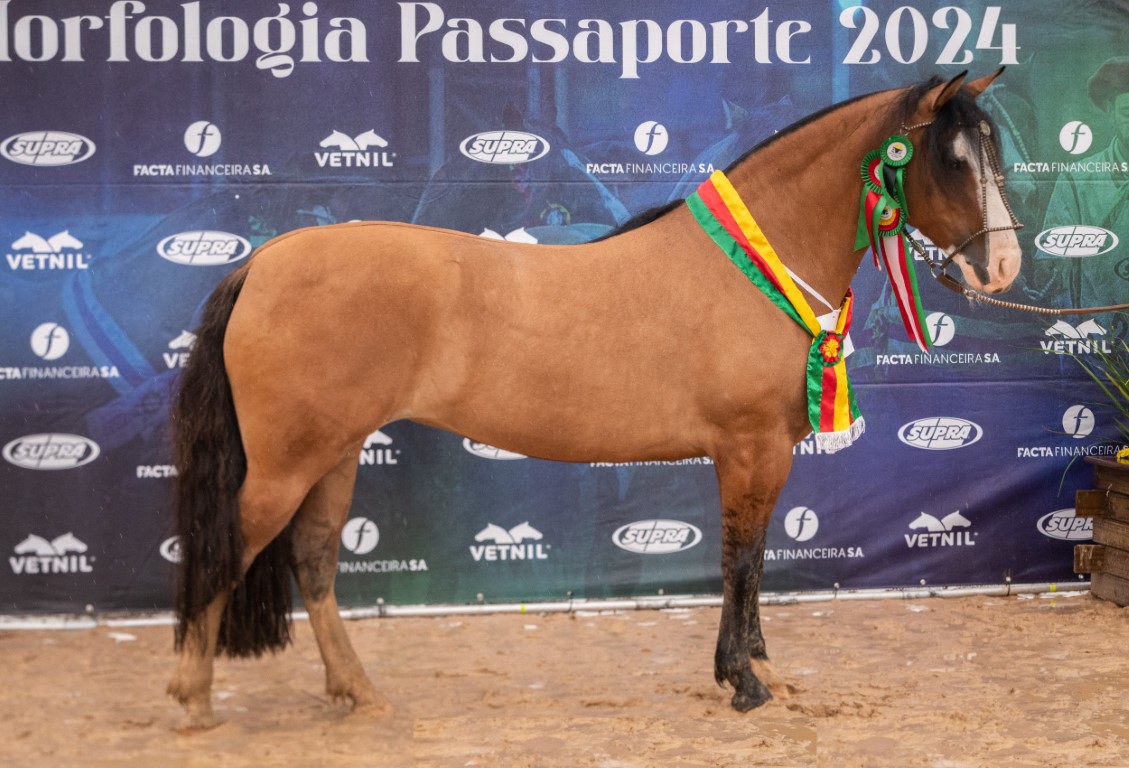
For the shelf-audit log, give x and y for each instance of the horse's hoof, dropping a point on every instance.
(360, 699)
(378, 707)
(751, 697)
(197, 722)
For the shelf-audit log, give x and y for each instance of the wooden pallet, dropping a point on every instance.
(1107, 559)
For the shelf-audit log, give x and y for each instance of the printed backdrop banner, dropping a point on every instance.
(146, 148)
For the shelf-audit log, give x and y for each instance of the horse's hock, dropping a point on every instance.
(1107, 559)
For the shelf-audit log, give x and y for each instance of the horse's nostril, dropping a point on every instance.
(981, 273)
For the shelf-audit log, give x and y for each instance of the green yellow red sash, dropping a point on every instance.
(832, 411)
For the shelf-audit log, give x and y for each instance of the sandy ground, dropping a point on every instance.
(975, 681)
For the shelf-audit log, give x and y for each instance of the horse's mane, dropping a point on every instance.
(960, 113)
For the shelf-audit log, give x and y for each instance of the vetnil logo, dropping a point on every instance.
(63, 554)
(941, 532)
(61, 250)
(522, 542)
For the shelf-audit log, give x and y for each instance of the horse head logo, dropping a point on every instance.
(54, 244)
(345, 143)
(370, 139)
(515, 535)
(35, 545)
(40, 547)
(33, 242)
(340, 141)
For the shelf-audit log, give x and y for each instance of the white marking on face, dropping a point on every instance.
(1003, 246)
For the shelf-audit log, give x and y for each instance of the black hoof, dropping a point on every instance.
(750, 692)
(751, 698)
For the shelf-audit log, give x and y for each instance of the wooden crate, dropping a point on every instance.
(1107, 559)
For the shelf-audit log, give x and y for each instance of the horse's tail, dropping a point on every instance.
(211, 467)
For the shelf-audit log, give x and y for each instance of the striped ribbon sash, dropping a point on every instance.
(832, 411)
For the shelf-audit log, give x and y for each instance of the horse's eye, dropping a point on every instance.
(957, 164)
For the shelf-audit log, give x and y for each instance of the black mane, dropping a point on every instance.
(961, 113)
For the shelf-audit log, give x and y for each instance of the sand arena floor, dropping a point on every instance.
(1038, 682)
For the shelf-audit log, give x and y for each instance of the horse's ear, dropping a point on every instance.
(935, 98)
(977, 87)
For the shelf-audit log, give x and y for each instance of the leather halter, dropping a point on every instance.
(989, 161)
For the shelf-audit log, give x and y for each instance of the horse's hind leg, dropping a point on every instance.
(315, 534)
(266, 504)
(191, 684)
(750, 479)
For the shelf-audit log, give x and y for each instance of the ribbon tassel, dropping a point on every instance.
(832, 411)
(882, 225)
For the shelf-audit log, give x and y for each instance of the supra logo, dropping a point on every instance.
(1078, 421)
(203, 248)
(1075, 137)
(482, 450)
(519, 235)
(47, 148)
(941, 327)
(63, 554)
(360, 536)
(1063, 524)
(202, 138)
(940, 533)
(358, 151)
(50, 341)
(60, 251)
(511, 544)
(504, 147)
(651, 138)
(1077, 240)
(51, 451)
(940, 433)
(656, 537)
(170, 549)
(801, 523)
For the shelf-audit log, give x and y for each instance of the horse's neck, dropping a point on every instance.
(803, 189)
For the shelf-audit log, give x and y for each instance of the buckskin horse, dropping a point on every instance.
(644, 345)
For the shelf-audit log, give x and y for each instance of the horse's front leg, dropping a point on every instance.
(750, 480)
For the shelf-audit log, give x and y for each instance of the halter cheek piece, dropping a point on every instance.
(989, 162)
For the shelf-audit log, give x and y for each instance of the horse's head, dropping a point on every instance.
(954, 183)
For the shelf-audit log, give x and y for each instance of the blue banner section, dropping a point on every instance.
(146, 148)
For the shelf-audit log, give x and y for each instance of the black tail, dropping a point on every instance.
(210, 467)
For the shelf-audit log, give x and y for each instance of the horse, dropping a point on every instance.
(643, 345)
